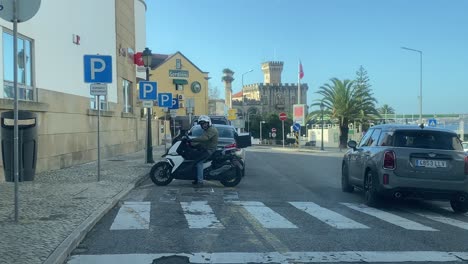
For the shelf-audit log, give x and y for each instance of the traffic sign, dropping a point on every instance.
(148, 90)
(175, 103)
(273, 134)
(165, 100)
(98, 89)
(432, 122)
(97, 68)
(147, 104)
(283, 116)
(296, 127)
(25, 9)
(273, 130)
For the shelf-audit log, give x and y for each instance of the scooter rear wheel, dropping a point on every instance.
(231, 177)
(160, 174)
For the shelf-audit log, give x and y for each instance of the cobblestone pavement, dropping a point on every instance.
(59, 207)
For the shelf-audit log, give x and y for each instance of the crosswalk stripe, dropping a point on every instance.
(132, 215)
(327, 216)
(389, 217)
(443, 219)
(277, 257)
(200, 215)
(267, 217)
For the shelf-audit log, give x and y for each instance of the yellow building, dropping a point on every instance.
(178, 75)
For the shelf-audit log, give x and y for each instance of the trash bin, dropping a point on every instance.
(27, 145)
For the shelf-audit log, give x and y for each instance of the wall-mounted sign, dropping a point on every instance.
(178, 74)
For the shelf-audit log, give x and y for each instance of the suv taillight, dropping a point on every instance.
(389, 161)
(466, 165)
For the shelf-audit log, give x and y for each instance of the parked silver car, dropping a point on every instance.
(408, 161)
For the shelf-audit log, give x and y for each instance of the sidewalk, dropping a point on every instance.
(59, 207)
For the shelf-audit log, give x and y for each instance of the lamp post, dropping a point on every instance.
(243, 100)
(147, 58)
(261, 122)
(420, 81)
(322, 106)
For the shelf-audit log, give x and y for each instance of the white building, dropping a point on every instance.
(51, 46)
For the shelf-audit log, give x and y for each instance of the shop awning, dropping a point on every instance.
(179, 81)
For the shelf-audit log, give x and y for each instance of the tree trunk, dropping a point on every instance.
(344, 129)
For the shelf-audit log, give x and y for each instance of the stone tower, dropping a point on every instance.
(272, 71)
(227, 79)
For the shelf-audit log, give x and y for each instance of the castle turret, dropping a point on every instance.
(227, 79)
(272, 71)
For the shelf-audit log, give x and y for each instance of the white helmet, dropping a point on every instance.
(204, 119)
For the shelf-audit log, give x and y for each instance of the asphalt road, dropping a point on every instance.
(289, 208)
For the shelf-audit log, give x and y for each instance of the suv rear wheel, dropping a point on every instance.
(459, 206)
(370, 189)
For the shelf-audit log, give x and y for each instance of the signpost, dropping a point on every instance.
(148, 92)
(17, 11)
(98, 72)
(297, 129)
(282, 117)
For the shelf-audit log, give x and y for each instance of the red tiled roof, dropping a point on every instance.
(239, 94)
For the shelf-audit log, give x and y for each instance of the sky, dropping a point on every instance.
(332, 39)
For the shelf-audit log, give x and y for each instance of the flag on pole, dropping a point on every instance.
(301, 71)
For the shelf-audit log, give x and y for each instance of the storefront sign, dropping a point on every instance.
(178, 74)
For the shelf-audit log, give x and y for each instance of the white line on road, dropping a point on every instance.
(267, 217)
(276, 257)
(390, 218)
(327, 216)
(443, 219)
(200, 215)
(132, 215)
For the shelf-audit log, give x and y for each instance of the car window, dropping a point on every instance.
(225, 132)
(366, 137)
(427, 140)
(386, 139)
(374, 138)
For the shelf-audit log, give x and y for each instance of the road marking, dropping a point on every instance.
(443, 219)
(277, 257)
(327, 216)
(200, 215)
(390, 218)
(267, 217)
(132, 215)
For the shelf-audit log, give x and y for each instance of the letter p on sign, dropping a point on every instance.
(97, 68)
(148, 90)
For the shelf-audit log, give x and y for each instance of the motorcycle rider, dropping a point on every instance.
(206, 143)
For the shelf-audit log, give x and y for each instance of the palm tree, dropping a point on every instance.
(386, 109)
(346, 102)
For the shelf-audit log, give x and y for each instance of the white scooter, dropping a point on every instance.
(223, 165)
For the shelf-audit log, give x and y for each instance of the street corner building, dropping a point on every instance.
(51, 78)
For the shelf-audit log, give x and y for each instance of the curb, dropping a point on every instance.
(62, 252)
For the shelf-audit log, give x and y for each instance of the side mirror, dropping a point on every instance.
(352, 144)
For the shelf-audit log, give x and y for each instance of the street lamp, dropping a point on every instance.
(322, 106)
(147, 58)
(261, 122)
(420, 82)
(243, 102)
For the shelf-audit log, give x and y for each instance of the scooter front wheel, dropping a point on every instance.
(160, 173)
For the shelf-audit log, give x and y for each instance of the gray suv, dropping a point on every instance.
(408, 161)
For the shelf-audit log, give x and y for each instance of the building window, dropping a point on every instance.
(127, 96)
(179, 87)
(25, 77)
(94, 102)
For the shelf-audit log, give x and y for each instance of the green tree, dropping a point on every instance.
(386, 109)
(346, 103)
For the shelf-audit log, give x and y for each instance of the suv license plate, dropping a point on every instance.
(431, 163)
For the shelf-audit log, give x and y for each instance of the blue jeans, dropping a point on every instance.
(200, 171)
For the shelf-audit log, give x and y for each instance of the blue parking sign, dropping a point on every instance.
(148, 90)
(165, 100)
(97, 68)
(175, 103)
